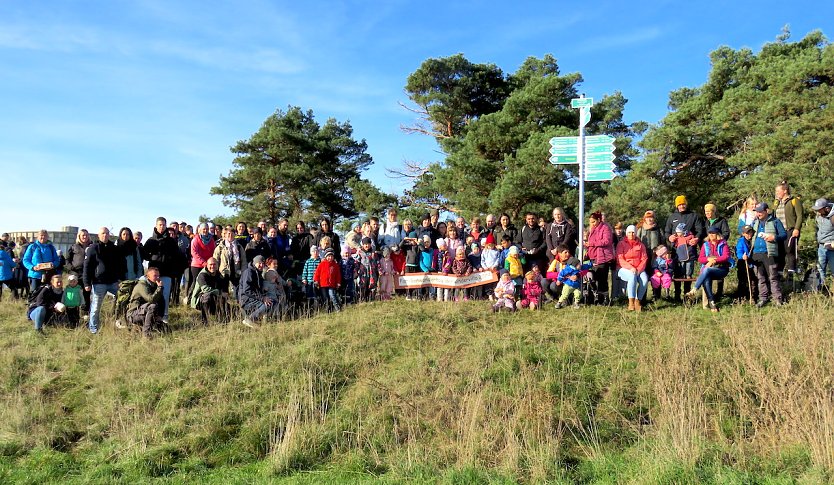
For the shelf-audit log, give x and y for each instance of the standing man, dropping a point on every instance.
(533, 244)
(282, 246)
(375, 232)
(770, 233)
(162, 252)
(694, 225)
(788, 209)
(488, 234)
(103, 266)
(825, 238)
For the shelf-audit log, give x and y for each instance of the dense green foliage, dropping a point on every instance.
(293, 167)
(759, 119)
(430, 392)
(494, 130)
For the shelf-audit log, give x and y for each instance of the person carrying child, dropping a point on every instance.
(504, 293)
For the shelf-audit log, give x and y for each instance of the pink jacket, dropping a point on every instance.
(200, 253)
(601, 244)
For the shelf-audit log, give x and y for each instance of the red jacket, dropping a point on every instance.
(200, 253)
(399, 261)
(632, 254)
(601, 244)
(328, 274)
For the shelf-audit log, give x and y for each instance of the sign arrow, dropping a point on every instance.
(599, 176)
(599, 157)
(564, 159)
(564, 141)
(581, 102)
(599, 139)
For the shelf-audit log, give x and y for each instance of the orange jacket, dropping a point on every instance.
(632, 254)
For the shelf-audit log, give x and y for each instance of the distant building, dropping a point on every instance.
(61, 239)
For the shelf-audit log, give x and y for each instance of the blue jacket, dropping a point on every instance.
(38, 253)
(568, 271)
(771, 225)
(6, 265)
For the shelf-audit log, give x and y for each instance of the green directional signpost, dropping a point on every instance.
(593, 154)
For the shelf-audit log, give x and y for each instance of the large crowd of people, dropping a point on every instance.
(251, 274)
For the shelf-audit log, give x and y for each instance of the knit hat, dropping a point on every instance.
(313, 249)
(680, 227)
(395, 248)
(631, 228)
(345, 248)
(328, 252)
(441, 243)
(257, 260)
(513, 249)
(681, 199)
(474, 246)
(72, 277)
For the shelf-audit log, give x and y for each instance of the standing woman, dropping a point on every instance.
(231, 260)
(129, 250)
(559, 232)
(747, 216)
(202, 248)
(649, 232)
(75, 262)
(506, 228)
(40, 259)
(600, 247)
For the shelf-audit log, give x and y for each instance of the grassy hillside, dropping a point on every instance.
(428, 392)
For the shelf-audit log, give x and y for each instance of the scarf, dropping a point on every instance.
(232, 247)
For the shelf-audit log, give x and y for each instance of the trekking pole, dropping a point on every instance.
(749, 283)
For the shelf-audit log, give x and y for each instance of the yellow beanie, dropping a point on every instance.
(681, 199)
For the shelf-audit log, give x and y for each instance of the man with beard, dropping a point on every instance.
(162, 252)
(146, 302)
(300, 246)
(282, 246)
(533, 243)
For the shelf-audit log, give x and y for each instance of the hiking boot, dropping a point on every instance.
(630, 304)
(638, 307)
(248, 323)
(761, 303)
(560, 304)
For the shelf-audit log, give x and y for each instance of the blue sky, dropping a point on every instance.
(114, 112)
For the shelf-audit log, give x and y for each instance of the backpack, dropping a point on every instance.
(123, 297)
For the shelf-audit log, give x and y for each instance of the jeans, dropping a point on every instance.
(166, 293)
(706, 278)
(825, 259)
(636, 284)
(34, 284)
(330, 293)
(99, 292)
(38, 316)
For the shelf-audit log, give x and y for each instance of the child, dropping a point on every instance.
(474, 257)
(308, 272)
(686, 253)
(274, 290)
(489, 262)
(461, 267)
(747, 282)
(551, 285)
(504, 293)
(663, 266)
(469, 242)
(514, 264)
(328, 277)
(348, 269)
(444, 264)
(386, 275)
(398, 257)
(367, 267)
(532, 292)
(571, 277)
(506, 244)
(428, 264)
(72, 299)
